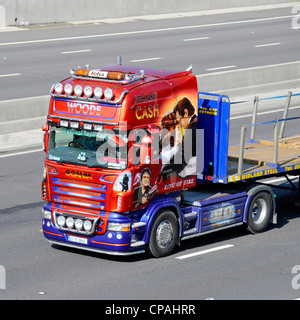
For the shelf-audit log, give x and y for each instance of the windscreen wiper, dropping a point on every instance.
(68, 162)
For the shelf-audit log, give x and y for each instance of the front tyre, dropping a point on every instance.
(164, 234)
(259, 212)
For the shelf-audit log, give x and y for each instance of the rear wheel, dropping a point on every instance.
(164, 234)
(259, 212)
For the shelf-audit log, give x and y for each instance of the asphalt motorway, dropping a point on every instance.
(32, 59)
(231, 264)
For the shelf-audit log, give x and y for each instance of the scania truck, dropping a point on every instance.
(138, 160)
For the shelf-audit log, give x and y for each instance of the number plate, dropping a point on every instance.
(78, 239)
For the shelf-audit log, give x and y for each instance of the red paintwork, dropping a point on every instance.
(146, 102)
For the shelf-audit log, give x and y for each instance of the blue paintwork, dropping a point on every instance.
(213, 118)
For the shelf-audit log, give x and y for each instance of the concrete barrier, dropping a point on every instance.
(252, 81)
(23, 114)
(55, 11)
(2, 17)
(30, 113)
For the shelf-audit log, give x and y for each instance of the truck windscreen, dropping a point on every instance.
(106, 149)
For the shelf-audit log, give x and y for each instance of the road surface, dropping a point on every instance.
(231, 264)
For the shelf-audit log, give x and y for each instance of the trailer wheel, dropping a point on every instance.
(164, 234)
(259, 212)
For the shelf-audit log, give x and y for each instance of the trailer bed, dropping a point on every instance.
(258, 159)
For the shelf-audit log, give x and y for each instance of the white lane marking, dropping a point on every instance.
(147, 59)
(10, 75)
(268, 45)
(77, 51)
(19, 153)
(144, 31)
(196, 39)
(205, 251)
(220, 68)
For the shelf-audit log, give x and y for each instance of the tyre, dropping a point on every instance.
(259, 212)
(164, 234)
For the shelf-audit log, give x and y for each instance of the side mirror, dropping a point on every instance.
(46, 141)
(45, 128)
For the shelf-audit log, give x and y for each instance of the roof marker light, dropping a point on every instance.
(116, 75)
(82, 72)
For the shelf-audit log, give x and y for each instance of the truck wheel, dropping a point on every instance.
(164, 234)
(259, 212)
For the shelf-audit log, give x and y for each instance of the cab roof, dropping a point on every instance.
(157, 73)
(110, 83)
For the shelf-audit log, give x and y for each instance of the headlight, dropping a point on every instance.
(118, 227)
(58, 88)
(47, 214)
(44, 173)
(68, 89)
(78, 224)
(88, 91)
(61, 220)
(98, 92)
(87, 225)
(78, 90)
(70, 222)
(108, 94)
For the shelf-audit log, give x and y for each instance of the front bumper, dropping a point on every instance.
(112, 243)
(94, 249)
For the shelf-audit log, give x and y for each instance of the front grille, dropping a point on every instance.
(79, 193)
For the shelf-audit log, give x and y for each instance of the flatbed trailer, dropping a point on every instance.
(257, 159)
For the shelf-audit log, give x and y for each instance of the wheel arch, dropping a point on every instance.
(252, 191)
(155, 209)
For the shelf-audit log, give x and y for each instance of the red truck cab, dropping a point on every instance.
(105, 159)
